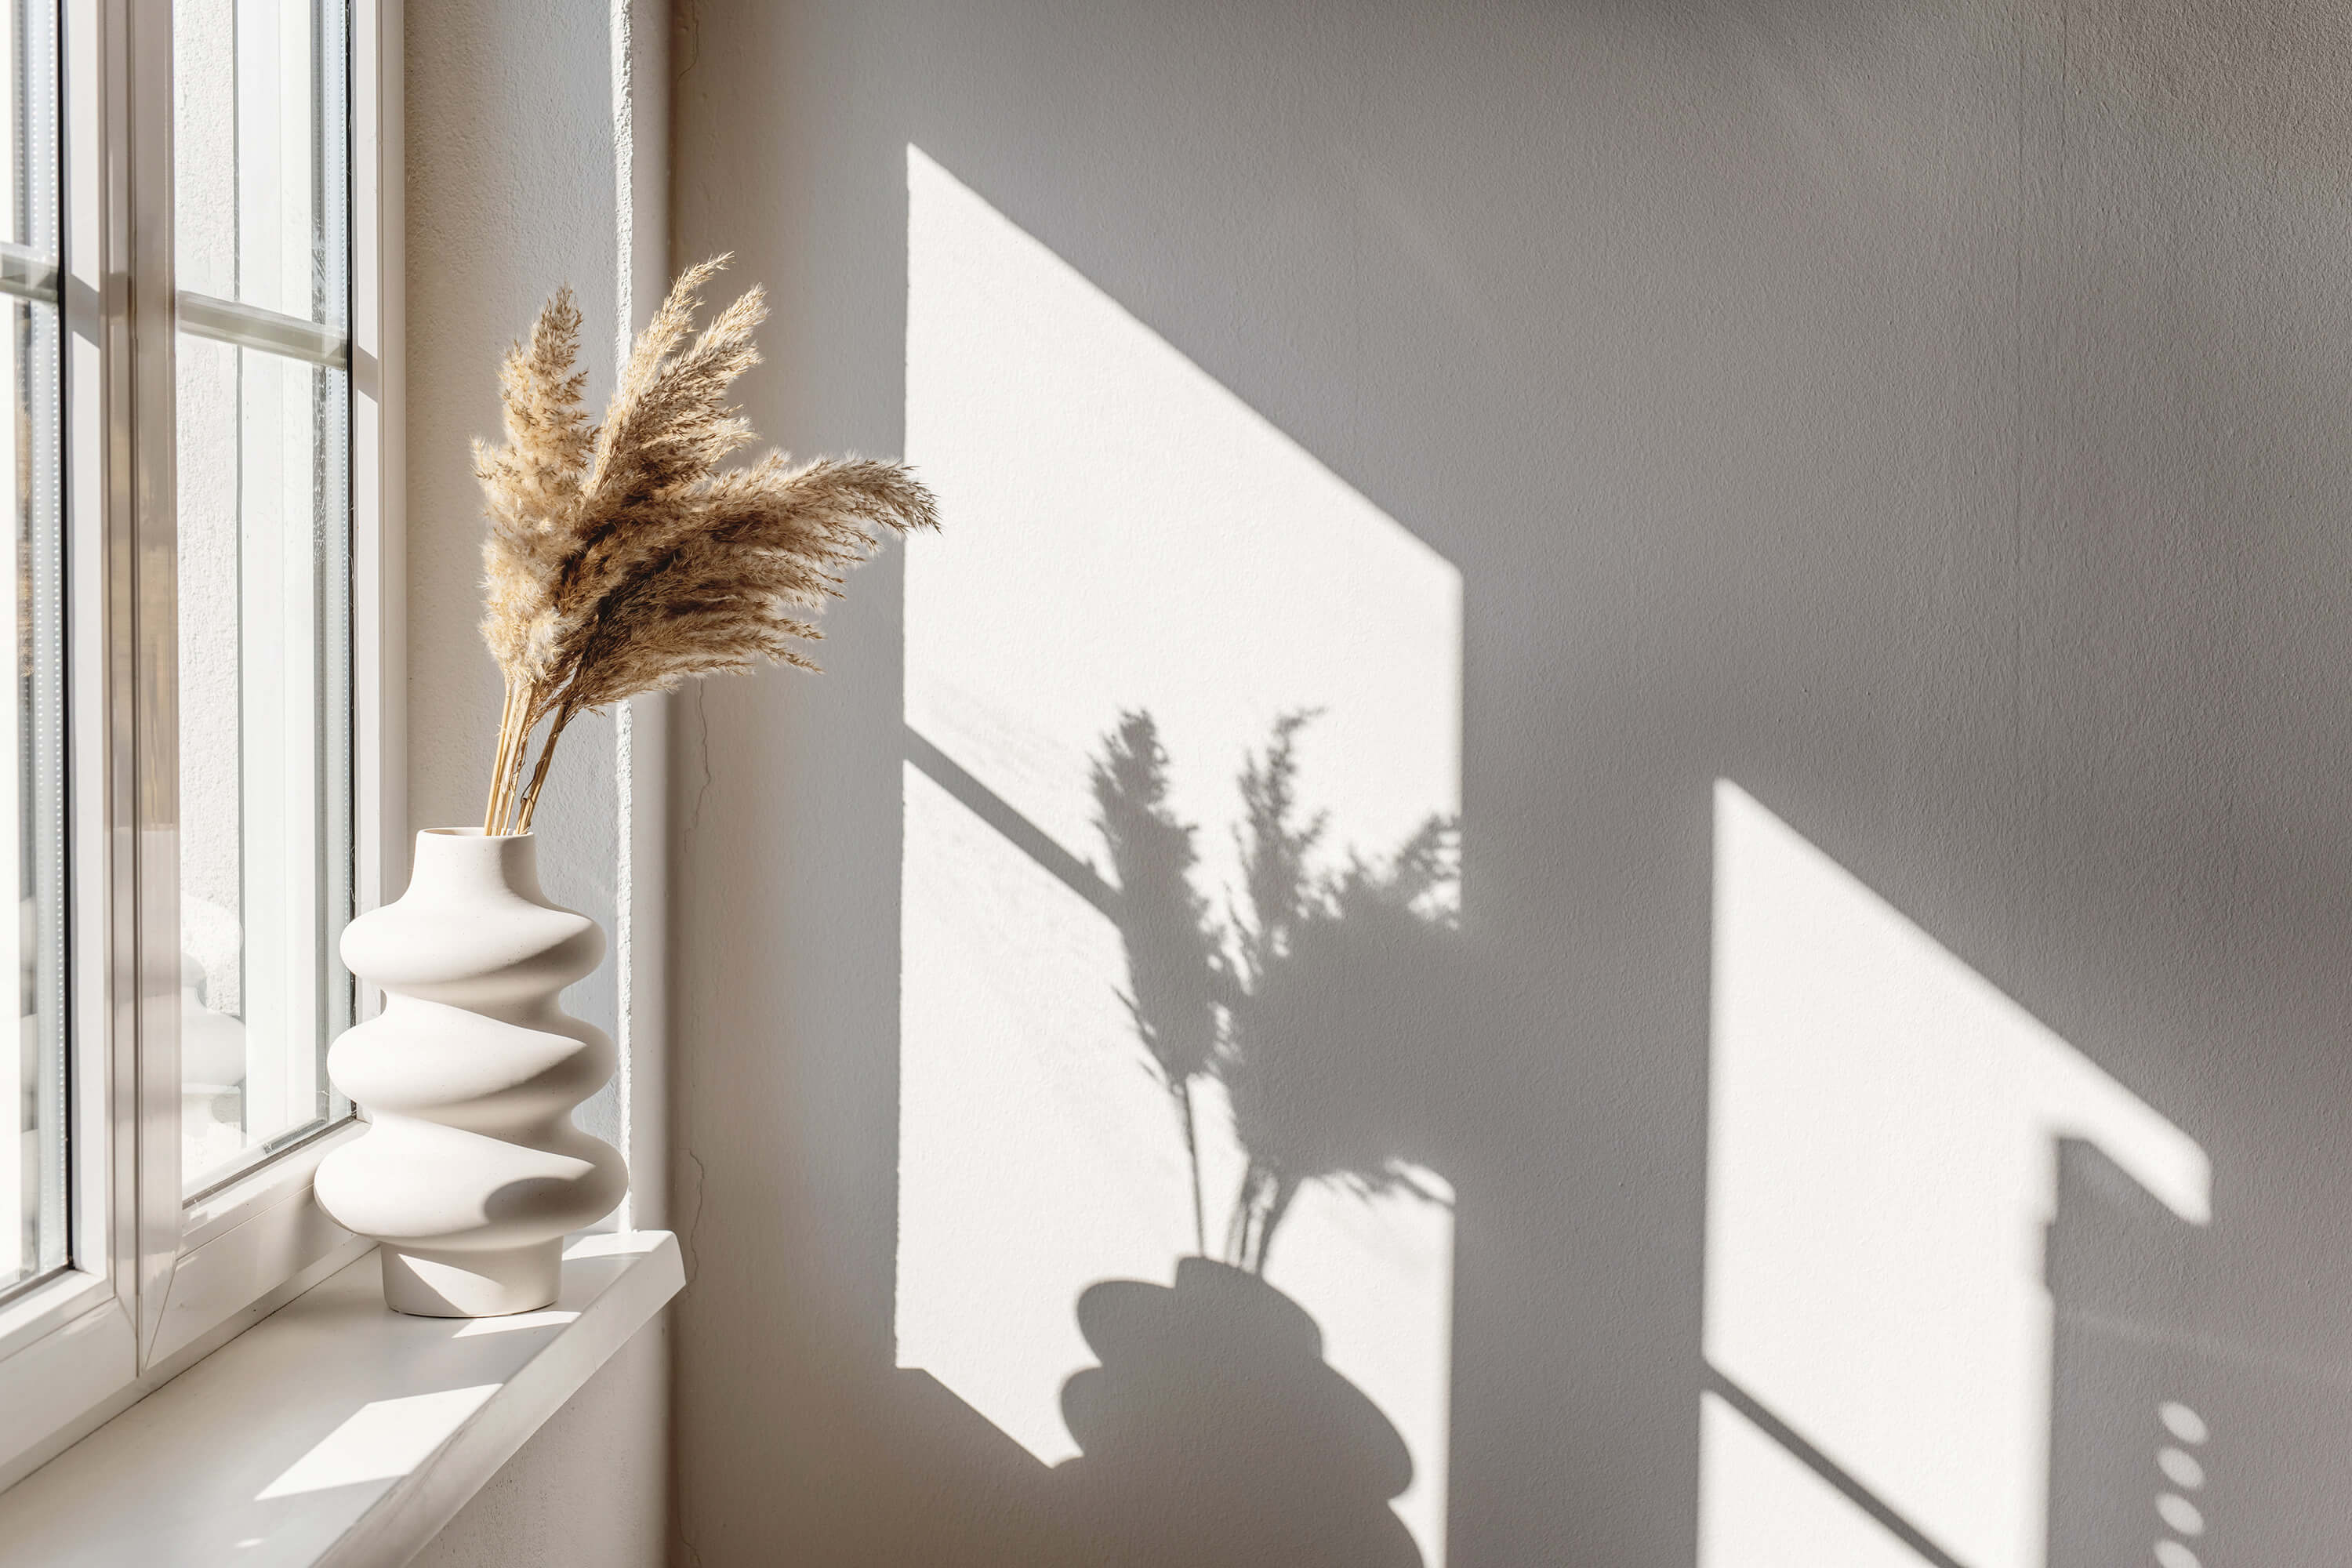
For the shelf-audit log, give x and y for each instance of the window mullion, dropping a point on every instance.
(69, 1348)
(152, 637)
(98, 508)
(27, 274)
(251, 327)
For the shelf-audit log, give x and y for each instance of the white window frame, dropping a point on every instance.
(154, 1281)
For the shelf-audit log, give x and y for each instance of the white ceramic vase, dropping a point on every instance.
(471, 1172)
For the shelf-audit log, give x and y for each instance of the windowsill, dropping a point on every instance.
(335, 1431)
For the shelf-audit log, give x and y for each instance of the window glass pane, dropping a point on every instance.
(33, 1233)
(261, 155)
(264, 680)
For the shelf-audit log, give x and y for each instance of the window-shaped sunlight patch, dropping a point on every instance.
(1158, 643)
(1882, 1162)
(383, 1440)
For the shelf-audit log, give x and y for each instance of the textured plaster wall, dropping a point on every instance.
(1931, 417)
(520, 142)
(510, 191)
(583, 1492)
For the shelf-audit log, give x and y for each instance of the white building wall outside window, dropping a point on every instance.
(260, 165)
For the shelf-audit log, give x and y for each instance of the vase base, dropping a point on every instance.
(471, 1284)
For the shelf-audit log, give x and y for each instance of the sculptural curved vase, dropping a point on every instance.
(471, 1172)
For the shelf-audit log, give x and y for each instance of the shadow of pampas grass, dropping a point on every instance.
(1318, 1002)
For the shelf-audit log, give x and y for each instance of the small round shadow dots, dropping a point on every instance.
(2180, 1468)
(2172, 1554)
(2182, 1422)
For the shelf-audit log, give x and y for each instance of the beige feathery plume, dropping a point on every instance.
(531, 490)
(620, 560)
(532, 485)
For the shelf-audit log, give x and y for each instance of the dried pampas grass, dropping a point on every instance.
(621, 560)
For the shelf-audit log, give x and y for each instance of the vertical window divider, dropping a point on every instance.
(92, 292)
(70, 1348)
(101, 888)
(154, 964)
(379, 466)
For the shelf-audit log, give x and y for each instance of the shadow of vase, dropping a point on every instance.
(1214, 1433)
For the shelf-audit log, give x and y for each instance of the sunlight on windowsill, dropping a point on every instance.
(335, 1425)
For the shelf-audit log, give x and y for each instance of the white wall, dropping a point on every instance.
(585, 1491)
(536, 155)
(1929, 421)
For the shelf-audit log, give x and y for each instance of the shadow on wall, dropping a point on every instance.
(1297, 1042)
(1177, 1132)
(1169, 1212)
(1890, 1140)
(1317, 1017)
(2162, 1432)
(1214, 1431)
